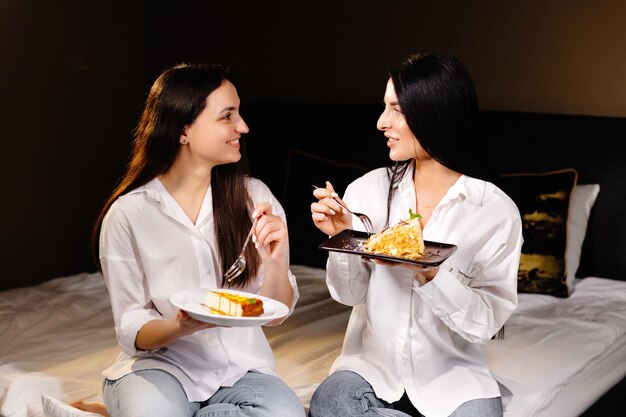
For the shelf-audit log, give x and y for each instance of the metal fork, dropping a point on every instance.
(367, 222)
(240, 263)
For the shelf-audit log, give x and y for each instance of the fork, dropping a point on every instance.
(367, 223)
(240, 263)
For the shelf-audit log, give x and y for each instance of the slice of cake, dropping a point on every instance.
(402, 240)
(233, 305)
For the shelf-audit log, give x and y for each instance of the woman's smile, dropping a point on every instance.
(391, 141)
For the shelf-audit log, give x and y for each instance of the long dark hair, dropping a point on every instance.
(438, 99)
(175, 100)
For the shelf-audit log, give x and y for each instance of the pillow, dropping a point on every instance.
(55, 408)
(582, 199)
(303, 170)
(543, 200)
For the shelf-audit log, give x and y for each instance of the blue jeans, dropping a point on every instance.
(347, 394)
(156, 393)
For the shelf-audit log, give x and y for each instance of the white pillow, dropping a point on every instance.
(581, 200)
(55, 408)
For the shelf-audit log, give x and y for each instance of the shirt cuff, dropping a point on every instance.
(130, 325)
(445, 293)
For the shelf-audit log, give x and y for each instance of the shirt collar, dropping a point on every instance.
(471, 188)
(466, 187)
(155, 191)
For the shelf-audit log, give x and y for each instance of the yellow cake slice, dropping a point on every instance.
(233, 305)
(402, 240)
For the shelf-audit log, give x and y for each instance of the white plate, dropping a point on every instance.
(191, 300)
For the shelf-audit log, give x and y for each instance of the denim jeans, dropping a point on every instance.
(156, 393)
(347, 394)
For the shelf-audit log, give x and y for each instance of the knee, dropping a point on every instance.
(271, 397)
(146, 393)
(334, 397)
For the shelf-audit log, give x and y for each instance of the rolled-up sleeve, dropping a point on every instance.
(477, 307)
(130, 302)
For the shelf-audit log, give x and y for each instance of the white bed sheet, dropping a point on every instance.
(55, 339)
(558, 357)
(553, 344)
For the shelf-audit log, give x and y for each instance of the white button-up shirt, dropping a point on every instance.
(425, 339)
(150, 249)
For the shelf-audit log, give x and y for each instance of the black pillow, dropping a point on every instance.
(303, 171)
(543, 202)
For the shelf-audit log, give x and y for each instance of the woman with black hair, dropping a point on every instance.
(412, 343)
(177, 221)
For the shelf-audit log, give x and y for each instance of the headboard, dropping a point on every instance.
(294, 145)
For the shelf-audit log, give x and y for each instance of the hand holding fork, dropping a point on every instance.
(269, 233)
(321, 211)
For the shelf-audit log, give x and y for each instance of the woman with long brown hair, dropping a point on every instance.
(178, 220)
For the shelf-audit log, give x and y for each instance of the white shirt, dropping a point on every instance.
(425, 339)
(150, 249)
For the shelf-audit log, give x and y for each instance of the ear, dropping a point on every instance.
(183, 137)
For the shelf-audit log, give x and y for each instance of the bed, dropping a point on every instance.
(560, 356)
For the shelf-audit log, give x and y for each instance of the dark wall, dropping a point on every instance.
(74, 74)
(71, 82)
(560, 56)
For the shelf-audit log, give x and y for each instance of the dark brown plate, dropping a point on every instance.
(349, 241)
